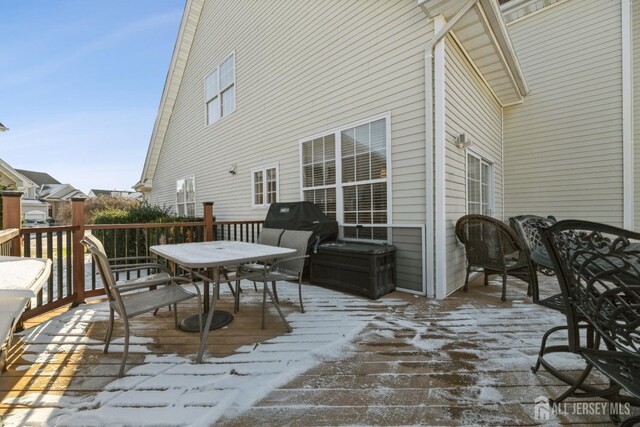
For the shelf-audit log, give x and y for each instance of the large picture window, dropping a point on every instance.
(186, 196)
(220, 90)
(479, 185)
(264, 184)
(358, 193)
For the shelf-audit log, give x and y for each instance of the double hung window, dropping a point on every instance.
(220, 90)
(264, 182)
(479, 185)
(186, 196)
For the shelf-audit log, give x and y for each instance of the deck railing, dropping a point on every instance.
(74, 275)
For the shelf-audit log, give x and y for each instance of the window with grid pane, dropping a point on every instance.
(478, 185)
(186, 197)
(319, 173)
(364, 179)
(220, 91)
(360, 154)
(264, 183)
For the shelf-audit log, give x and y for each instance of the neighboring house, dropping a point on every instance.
(404, 112)
(51, 191)
(12, 179)
(126, 194)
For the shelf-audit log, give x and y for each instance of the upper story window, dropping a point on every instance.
(345, 174)
(186, 196)
(264, 184)
(220, 90)
(479, 185)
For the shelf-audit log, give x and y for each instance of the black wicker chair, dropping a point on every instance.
(598, 268)
(492, 247)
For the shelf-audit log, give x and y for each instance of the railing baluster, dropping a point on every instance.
(39, 255)
(69, 268)
(49, 237)
(59, 263)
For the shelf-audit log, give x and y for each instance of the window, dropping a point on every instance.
(220, 90)
(479, 185)
(264, 184)
(186, 196)
(359, 194)
(319, 173)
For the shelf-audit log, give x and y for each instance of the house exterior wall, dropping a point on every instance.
(348, 61)
(563, 144)
(469, 108)
(635, 31)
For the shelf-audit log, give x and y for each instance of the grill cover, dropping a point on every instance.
(302, 216)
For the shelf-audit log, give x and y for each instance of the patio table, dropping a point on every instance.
(211, 256)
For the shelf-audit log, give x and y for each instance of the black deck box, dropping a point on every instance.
(362, 269)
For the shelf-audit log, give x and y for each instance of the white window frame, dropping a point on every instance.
(490, 184)
(195, 196)
(233, 84)
(264, 170)
(339, 186)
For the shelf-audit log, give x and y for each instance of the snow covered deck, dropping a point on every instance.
(401, 360)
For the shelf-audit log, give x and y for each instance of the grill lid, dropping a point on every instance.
(301, 216)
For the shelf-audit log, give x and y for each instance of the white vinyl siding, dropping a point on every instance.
(470, 108)
(220, 91)
(265, 186)
(297, 76)
(186, 197)
(563, 144)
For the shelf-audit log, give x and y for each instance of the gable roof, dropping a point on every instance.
(40, 178)
(483, 34)
(186, 33)
(20, 179)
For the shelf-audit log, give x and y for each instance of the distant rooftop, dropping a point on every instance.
(40, 178)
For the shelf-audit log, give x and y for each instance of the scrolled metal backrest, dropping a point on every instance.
(94, 245)
(598, 270)
(529, 227)
(270, 236)
(487, 240)
(298, 240)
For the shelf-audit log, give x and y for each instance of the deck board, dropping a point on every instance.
(465, 360)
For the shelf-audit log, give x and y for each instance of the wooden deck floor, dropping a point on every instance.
(465, 360)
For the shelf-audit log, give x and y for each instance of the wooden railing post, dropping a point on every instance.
(77, 250)
(208, 221)
(12, 217)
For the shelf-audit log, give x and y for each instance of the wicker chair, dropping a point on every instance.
(135, 297)
(492, 247)
(598, 268)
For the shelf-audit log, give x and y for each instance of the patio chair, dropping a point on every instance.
(530, 228)
(286, 269)
(253, 271)
(598, 268)
(139, 296)
(493, 248)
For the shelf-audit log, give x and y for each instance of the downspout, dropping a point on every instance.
(435, 180)
(627, 118)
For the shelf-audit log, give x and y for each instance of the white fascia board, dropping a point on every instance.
(181, 49)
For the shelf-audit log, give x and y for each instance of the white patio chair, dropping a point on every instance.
(135, 297)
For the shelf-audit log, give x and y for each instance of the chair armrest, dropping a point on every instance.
(140, 284)
(282, 260)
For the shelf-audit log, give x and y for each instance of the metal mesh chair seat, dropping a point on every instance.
(136, 303)
(554, 302)
(623, 368)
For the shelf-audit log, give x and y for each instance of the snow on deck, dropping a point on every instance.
(401, 360)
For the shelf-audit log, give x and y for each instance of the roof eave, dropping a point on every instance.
(181, 49)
